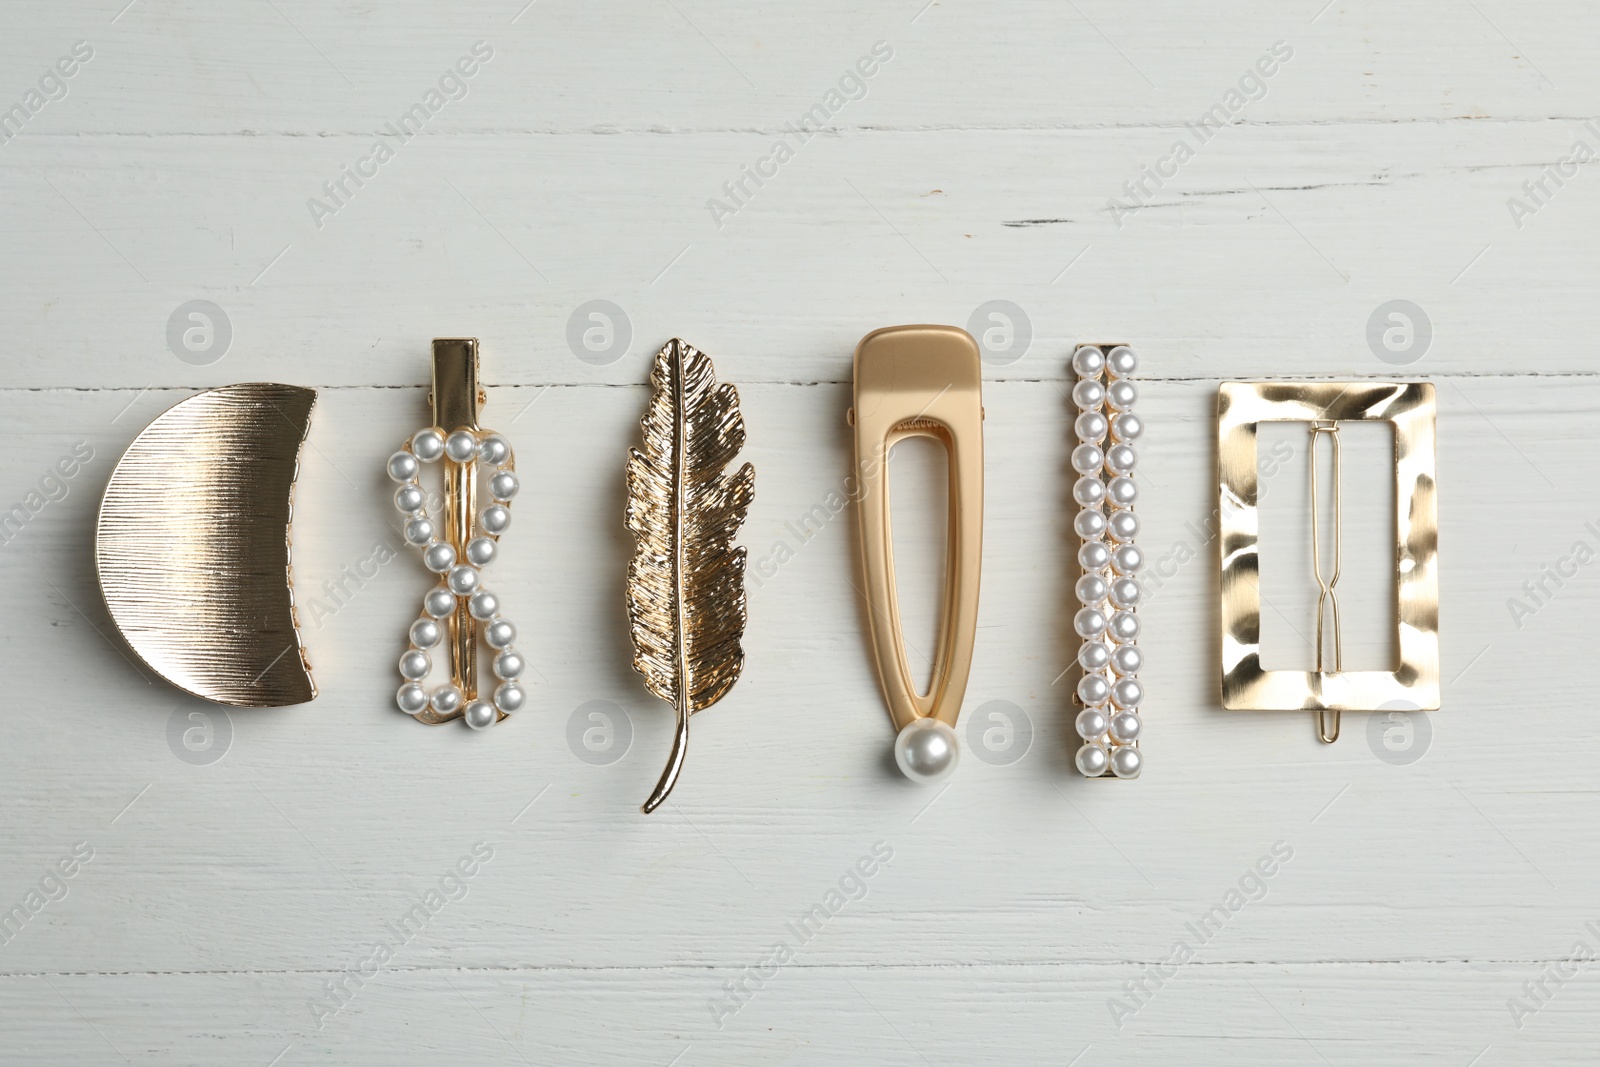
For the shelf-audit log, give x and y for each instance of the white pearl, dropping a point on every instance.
(461, 446)
(1127, 427)
(1127, 559)
(510, 697)
(1124, 525)
(1089, 524)
(1094, 555)
(1121, 395)
(484, 605)
(419, 531)
(480, 714)
(1091, 589)
(1087, 459)
(494, 450)
(403, 466)
(1094, 689)
(504, 485)
(509, 665)
(1088, 361)
(1121, 362)
(426, 633)
(415, 664)
(1092, 761)
(1090, 426)
(1127, 693)
(1125, 727)
(480, 551)
(1091, 723)
(446, 699)
(926, 750)
(1127, 659)
(439, 603)
(1122, 491)
(1089, 623)
(1120, 459)
(412, 698)
(1124, 626)
(1088, 393)
(1094, 655)
(1124, 593)
(439, 556)
(495, 519)
(1088, 491)
(500, 633)
(409, 498)
(463, 579)
(428, 445)
(1126, 762)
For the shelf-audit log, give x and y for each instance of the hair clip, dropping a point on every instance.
(1241, 408)
(192, 545)
(925, 381)
(460, 606)
(686, 606)
(1109, 690)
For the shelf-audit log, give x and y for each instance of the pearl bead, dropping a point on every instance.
(509, 665)
(1094, 655)
(428, 445)
(481, 551)
(415, 664)
(1091, 589)
(412, 698)
(1124, 593)
(1127, 693)
(1092, 761)
(426, 633)
(1087, 459)
(439, 603)
(495, 519)
(480, 714)
(494, 450)
(504, 485)
(1088, 491)
(1089, 524)
(439, 556)
(1089, 623)
(409, 498)
(419, 531)
(1124, 525)
(1125, 727)
(461, 446)
(926, 750)
(1122, 491)
(1094, 555)
(1121, 395)
(1090, 426)
(500, 633)
(484, 605)
(463, 579)
(1121, 362)
(1124, 626)
(1127, 559)
(1120, 459)
(446, 699)
(1127, 659)
(1088, 393)
(403, 466)
(510, 697)
(1126, 762)
(1088, 361)
(1091, 723)
(1127, 427)
(1093, 689)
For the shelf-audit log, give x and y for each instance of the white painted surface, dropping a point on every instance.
(220, 898)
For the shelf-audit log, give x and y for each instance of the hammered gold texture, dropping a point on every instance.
(192, 545)
(686, 601)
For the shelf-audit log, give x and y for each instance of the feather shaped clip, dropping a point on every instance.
(686, 603)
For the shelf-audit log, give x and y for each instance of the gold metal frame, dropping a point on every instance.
(1410, 406)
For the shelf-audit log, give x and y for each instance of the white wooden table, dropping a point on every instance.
(241, 864)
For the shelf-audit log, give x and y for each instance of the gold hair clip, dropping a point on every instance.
(1241, 408)
(923, 381)
(460, 606)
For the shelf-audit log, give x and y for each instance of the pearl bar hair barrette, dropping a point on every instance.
(1109, 691)
(456, 610)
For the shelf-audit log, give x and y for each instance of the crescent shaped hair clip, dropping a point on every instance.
(460, 608)
(921, 381)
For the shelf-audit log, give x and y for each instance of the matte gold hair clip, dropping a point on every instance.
(925, 381)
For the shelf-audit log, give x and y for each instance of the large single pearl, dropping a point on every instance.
(1088, 491)
(1127, 659)
(428, 445)
(1121, 362)
(500, 633)
(1126, 762)
(1127, 559)
(439, 556)
(1091, 723)
(461, 446)
(494, 450)
(1092, 761)
(1089, 623)
(1127, 427)
(1093, 689)
(1088, 361)
(484, 605)
(495, 518)
(480, 714)
(1124, 626)
(1094, 555)
(509, 665)
(439, 602)
(1087, 459)
(1091, 426)
(1088, 393)
(1094, 655)
(926, 750)
(1122, 491)
(1127, 693)
(412, 699)
(419, 531)
(446, 699)
(504, 485)
(1125, 727)
(510, 697)
(403, 466)
(1121, 459)
(426, 633)
(481, 551)
(463, 579)
(1121, 395)
(415, 665)
(1124, 593)
(1089, 524)
(409, 498)
(1124, 525)
(1091, 589)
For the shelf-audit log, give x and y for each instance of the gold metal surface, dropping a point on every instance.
(1327, 596)
(925, 381)
(686, 602)
(192, 545)
(1410, 406)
